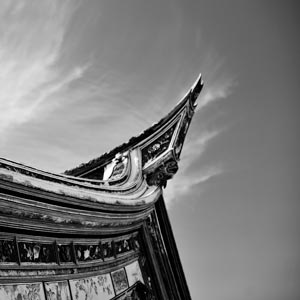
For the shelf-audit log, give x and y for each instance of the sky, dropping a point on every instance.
(78, 78)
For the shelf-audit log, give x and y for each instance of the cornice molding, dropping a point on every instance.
(134, 175)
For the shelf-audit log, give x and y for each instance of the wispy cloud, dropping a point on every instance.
(218, 85)
(86, 97)
(187, 178)
(31, 39)
(218, 89)
(183, 184)
(218, 82)
(194, 148)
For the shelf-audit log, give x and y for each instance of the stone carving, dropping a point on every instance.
(34, 252)
(65, 253)
(37, 252)
(136, 243)
(123, 246)
(8, 251)
(120, 163)
(163, 173)
(57, 290)
(87, 252)
(93, 288)
(33, 291)
(108, 250)
(119, 280)
(158, 146)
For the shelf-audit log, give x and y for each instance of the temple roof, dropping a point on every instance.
(131, 174)
(190, 97)
(102, 218)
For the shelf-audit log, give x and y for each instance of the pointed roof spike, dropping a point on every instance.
(147, 135)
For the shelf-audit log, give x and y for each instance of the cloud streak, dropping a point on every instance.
(218, 83)
(188, 177)
(218, 86)
(30, 48)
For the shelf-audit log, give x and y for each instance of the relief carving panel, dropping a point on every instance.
(65, 253)
(119, 280)
(57, 290)
(8, 251)
(158, 146)
(87, 252)
(93, 288)
(32, 291)
(37, 252)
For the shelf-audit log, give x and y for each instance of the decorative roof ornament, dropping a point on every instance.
(160, 145)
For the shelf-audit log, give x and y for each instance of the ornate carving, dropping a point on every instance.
(87, 252)
(108, 250)
(97, 287)
(119, 163)
(158, 146)
(136, 243)
(53, 252)
(36, 252)
(123, 246)
(163, 173)
(119, 280)
(118, 170)
(65, 253)
(8, 251)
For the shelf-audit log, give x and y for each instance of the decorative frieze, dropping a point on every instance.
(65, 253)
(36, 252)
(88, 252)
(123, 246)
(108, 250)
(54, 252)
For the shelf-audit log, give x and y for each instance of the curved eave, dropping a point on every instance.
(190, 98)
(62, 190)
(151, 159)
